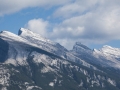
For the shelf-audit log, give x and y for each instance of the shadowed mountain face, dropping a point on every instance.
(31, 62)
(4, 47)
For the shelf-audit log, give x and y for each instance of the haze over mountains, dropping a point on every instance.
(31, 62)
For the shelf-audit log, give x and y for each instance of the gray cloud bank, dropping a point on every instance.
(11, 6)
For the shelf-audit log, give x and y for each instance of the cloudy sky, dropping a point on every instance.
(91, 22)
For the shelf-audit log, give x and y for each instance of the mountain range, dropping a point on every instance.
(29, 61)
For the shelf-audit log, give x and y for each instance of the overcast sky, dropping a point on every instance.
(91, 22)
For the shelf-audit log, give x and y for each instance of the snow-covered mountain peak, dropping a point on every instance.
(26, 33)
(110, 50)
(109, 54)
(107, 47)
(80, 46)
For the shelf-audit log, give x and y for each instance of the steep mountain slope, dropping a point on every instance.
(50, 46)
(85, 53)
(31, 62)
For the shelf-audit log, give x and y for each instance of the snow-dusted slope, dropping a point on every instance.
(55, 73)
(108, 55)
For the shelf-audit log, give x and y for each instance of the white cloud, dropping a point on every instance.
(11, 6)
(81, 7)
(93, 21)
(99, 20)
(38, 25)
(76, 8)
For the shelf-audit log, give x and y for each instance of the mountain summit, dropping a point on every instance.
(29, 61)
(25, 33)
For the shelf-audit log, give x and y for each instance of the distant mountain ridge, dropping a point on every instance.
(29, 61)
